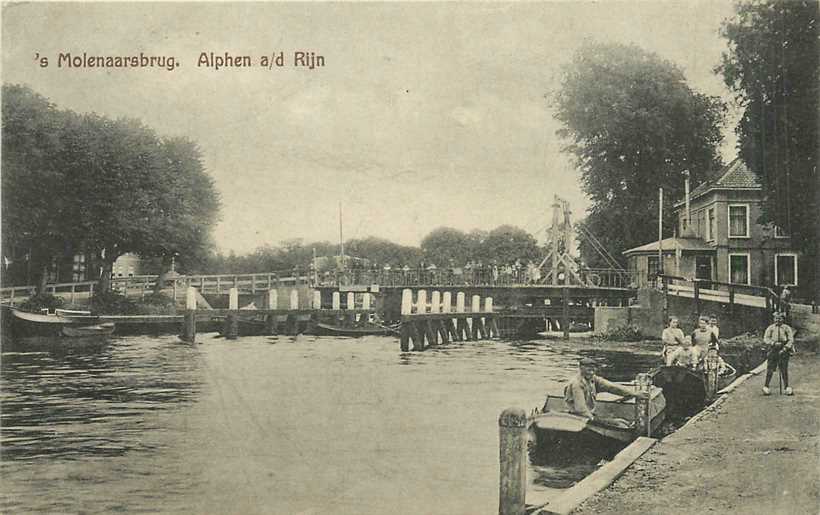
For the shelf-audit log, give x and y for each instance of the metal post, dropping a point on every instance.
(660, 230)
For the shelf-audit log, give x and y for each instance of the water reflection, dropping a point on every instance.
(278, 424)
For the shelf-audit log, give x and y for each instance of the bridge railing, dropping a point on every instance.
(729, 292)
(604, 278)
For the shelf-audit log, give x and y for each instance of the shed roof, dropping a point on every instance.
(673, 244)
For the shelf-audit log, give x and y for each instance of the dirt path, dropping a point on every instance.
(752, 455)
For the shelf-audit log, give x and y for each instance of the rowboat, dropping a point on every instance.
(617, 420)
(64, 328)
(687, 390)
(325, 329)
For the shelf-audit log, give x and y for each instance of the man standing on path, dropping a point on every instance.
(779, 342)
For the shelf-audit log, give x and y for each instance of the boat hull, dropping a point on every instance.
(686, 389)
(616, 422)
(324, 329)
(22, 324)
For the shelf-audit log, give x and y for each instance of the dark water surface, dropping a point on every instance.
(275, 425)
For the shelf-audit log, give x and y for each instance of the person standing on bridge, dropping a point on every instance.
(779, 342)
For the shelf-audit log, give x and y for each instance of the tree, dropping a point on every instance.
(445, 245)
(633, 125)
(102, 187)
(506, 244)
(35, 217)
(771, 65)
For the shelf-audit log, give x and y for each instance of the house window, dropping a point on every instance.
(739, 269)
(79, 268)
(710, 224)
(780, 232)
(652, 268)
(785, 269)
(738, 221)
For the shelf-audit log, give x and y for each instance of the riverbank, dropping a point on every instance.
(751, 455)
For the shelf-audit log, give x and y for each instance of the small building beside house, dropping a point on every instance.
(724, 241)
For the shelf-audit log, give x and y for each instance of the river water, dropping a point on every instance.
(275, 424)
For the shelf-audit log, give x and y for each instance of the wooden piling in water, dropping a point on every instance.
(430, 332)
(512, 445)
(405, 336)
(189, 326)
(565, 312)
(231, 327)
(270, 323)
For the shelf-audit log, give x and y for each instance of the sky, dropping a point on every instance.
(423, 115)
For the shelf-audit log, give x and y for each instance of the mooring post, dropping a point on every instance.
(512, 446)
(366, 298)
(231, 327)
(189, 323)
(446, 302)
(351, 300)
(189, 326)
(273, 298)
(294, 299)
(270, 323)
(336, 304)
(233, 298)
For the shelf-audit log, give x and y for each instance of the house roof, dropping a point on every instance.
(734, 176)
(673, 244)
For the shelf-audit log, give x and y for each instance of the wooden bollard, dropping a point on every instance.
(231, 327)
(317, 299)
(446, 302)
(366, 301)
(270, 323)
(233, 298)
(351, 300)
(273, 298)
(565, 312)
(406, 301)
(476, 307)
(189, 326)
(294, 299)
(190, 298)
(337, 301)
(512, 445)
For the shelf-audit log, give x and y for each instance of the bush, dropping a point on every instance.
(626, 333)
(42, 301)
(111, 303)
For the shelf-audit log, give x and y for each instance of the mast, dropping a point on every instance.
(341, 236)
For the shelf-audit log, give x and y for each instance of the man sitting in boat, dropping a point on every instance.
(580, 393)
(685, 356)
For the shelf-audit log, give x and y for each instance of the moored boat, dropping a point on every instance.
(326, 329)
(618, 419)
(687, 390)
